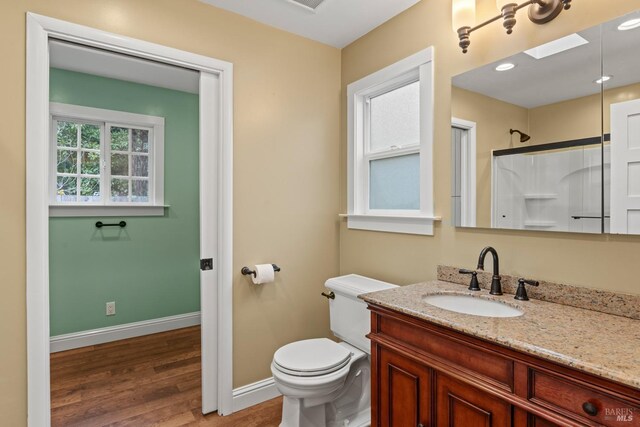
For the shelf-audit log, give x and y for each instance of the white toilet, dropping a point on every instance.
(324, 383)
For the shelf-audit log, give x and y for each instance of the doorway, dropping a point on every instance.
(463, 179)
(215, 199)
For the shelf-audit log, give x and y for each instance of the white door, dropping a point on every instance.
(209, 164)
(625, 167)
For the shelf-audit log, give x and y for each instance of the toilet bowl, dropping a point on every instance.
(325, 383)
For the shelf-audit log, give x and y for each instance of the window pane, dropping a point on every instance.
(140, 140)
(120, 139)
(89, 189)
(120, 164)
(90, 163)
(394, 183)
(140, 191)
(395, 118)
(90, 136)
(140, 165)
(67, 134)
(66, 189)
(67, 161)
(120, 190)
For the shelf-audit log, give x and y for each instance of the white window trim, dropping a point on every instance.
(416, 67)
(155, 207)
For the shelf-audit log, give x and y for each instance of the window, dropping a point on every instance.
(105, 162)
(390, 164)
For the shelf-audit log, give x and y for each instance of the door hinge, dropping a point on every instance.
(206, 264)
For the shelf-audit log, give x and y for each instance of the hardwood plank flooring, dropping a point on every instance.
(146, 381)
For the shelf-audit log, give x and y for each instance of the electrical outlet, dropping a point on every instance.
(111, 308)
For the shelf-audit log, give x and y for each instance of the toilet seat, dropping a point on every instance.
(311, 358)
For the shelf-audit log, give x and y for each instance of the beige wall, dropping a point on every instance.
(576, 118)
(286, 160)
(588, 260)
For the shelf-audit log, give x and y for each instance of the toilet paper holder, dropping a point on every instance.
(247, 271)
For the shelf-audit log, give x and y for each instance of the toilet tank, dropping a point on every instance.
(350, 320)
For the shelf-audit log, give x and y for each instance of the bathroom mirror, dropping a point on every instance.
(527, 135)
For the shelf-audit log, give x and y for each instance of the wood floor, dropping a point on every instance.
(147, 381)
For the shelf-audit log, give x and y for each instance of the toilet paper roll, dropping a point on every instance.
(264, 274)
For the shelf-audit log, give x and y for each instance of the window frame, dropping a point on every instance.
(415, 68)
(106, 119)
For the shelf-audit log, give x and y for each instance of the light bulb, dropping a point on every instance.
(506, 66)
(629, 25)
(463, 13)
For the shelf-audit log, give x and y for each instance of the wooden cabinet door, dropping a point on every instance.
(404, 391)
(461, 405)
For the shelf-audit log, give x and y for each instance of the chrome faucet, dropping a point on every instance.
(496, 286)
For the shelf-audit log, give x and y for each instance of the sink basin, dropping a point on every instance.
(472, 305)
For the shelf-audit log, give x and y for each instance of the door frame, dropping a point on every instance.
(467, 172)
(219, 159)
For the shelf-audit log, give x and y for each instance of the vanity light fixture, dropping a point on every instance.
(540, 12)
(602, 79)
(506, 66)
(629, 25)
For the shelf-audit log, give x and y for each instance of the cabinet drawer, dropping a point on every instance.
(581, 402)
(456, 354)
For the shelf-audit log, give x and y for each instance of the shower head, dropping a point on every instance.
(523, 136)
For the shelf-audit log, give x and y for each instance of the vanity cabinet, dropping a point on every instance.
(459, 404)
(405, 394)
(424, 374)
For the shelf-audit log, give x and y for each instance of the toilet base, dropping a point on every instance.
(350, 406)
(293, 415)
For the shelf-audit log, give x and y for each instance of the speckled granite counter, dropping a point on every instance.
(594, 342)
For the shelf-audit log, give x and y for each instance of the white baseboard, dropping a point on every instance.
(120, 332)
(252, 394)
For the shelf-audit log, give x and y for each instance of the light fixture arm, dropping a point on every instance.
(540, 12)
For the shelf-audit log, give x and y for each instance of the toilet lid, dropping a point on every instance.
(313, 357)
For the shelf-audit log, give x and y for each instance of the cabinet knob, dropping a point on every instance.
(590, 408)
(420, 425)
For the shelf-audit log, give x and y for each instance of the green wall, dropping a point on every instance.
(151, 267)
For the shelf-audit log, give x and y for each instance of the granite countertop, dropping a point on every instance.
(601, 344)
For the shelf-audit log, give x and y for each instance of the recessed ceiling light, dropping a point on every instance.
(505, 66)
(560, 45)
(602, 79)
(629, 25)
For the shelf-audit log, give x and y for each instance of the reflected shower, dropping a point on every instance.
(523, 136)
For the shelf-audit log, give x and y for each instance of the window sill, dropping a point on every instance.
(99, 210)
(422, 225)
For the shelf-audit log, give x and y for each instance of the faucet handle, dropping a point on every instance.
(521, 292)
(473, 286)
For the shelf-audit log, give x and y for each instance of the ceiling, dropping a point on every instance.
(335, 22)
(83, 59)
(566, 75)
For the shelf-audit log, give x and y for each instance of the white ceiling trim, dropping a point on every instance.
(334, 22)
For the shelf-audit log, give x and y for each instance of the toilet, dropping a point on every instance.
(325, 383)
